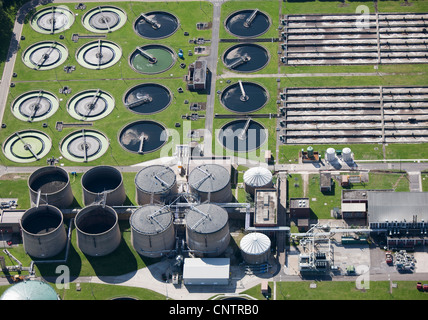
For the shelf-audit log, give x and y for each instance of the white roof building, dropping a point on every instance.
(206, 271)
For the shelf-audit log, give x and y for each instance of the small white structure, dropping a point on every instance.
(347, 155)
(331, 154)
(206, 271)
(257, 177)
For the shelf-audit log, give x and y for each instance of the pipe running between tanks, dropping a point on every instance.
(250, 19)
(153, 23)
(147, 55)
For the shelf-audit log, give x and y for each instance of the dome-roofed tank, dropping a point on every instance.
(30, 290)
(98, 231)
(257, 177)
(43, 231)
(346, 154)
(152, 230)
(211, 182)
(154, 183)
(103, 181)
(54, 186)
(255, 248)
(207, 230)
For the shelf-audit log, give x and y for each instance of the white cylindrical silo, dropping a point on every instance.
(257, 177)
(331, 154)
(152, 230)
(255, 248)
(346, 154)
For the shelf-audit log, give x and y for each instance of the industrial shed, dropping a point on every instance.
(206, 271)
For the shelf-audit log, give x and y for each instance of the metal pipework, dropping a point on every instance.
(145, 99)
(242, 134)
(250, 19)
(142, 138)
(45, 56)
(147, 55)
(243, 97)
(153, 23)
(241, 60)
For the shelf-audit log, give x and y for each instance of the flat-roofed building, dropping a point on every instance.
(197, 75)
(206, 271)
(266, 207)
(403, 216)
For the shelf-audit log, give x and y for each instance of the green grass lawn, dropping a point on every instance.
(341, 290)
(324, 202)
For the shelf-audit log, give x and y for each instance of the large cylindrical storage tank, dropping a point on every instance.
(154, 183)
(152, 230)
(211, 182)
(43, 231)
(331, 154)
(255, 248)
(257, 177)
(103, 181)
(207, 230)
(346, 154)
(54, 185)
(98, 231)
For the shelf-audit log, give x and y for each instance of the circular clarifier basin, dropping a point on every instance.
(156, 25)
(84, 145)
(244, 97)
(147, 98)
(143, 136)
(52, 20)
(242, 135)
(27, 146)
(246, 57)
(152, 59)
(247, 23)
(104, 19)
(90, 105)
(45, 55)
(35, 106)
(98, 54)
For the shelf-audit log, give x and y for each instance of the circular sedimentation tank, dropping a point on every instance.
(154, 183)
(247, 23)
(45, 55)
(84, 145)
(244, 97)
(242, 135)
(211, 182)
(98, 231)
(207, 230)
(103, 183)
(152, 230)
(90, 105)
(35, 106)
(27, 146)
(53, 183)
(147, 98)
(104, 19)
(255, 248)
(52, 20)
(30, 290)
(100, 54)
(156, 25)
(152, 59)
(43, 231)
(246, 57)
(143, 136)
